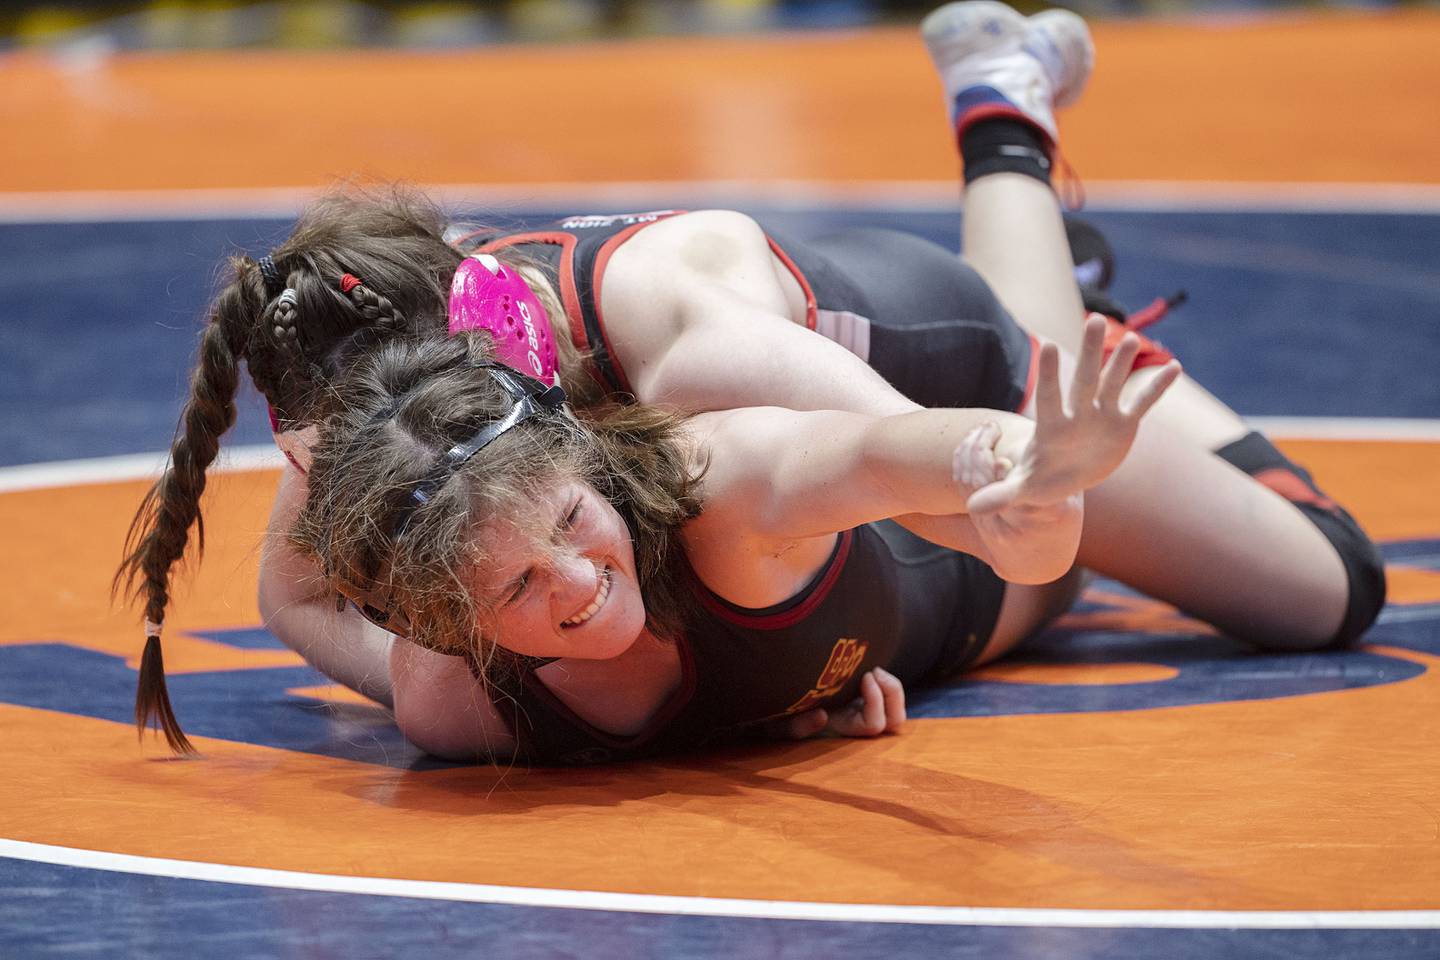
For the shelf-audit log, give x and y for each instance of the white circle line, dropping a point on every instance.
(719, 907)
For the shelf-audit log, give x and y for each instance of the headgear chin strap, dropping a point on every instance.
(487, 295)
(529, 397)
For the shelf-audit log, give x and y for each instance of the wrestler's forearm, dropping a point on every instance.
(787, 474)
(911, 456)
(300, 610)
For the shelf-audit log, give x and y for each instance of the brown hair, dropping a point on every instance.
(294, 347)
(409, 403)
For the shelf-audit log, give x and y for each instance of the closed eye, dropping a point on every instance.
(571, 517)
(520, 586)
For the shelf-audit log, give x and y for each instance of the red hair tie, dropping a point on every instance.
(349, 282)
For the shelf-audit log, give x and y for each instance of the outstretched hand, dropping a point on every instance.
(1073, 449)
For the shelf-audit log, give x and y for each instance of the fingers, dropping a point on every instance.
(809, 723)
(802, 726)
(1048, 406)
(873, 707)
(1153, 390)
(1116, 372)
(993, 497)
(1087, 366)
(974, 464)
(879, 709)
(893, 692)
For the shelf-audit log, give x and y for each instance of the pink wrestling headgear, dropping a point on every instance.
(487, 295)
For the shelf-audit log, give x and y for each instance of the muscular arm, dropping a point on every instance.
(700, 315)
(296, 606)
(696, 310)
(778, 476)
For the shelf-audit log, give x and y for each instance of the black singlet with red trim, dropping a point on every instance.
(911, 309)
(885, 598)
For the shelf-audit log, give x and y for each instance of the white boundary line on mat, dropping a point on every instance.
(85, 206)
(142, 466)
(719, 907)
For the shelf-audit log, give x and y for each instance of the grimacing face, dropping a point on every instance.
(577, 596)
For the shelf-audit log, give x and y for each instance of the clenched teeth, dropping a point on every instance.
(601, 594)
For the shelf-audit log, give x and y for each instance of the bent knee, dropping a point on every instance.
(1364, 587)
(1364, 574)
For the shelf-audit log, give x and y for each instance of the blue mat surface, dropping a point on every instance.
(1290, 314)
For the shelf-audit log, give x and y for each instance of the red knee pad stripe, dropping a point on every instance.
(1151, 353)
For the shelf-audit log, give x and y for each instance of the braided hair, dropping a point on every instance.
(297, 319)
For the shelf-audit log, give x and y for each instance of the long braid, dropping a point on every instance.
(287, 317)
(159, 533)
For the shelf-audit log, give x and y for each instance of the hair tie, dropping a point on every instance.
(271, 275)
(288, 296)
(152, 629)
(349, 282)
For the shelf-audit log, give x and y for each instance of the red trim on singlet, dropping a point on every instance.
(811, 308)
(459, 242)
(602, 259)
(667, 712)
(510, 709)
(788, 618)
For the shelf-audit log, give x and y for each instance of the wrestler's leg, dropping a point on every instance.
(1014, 236)
(1027, 609)
(1175, 520)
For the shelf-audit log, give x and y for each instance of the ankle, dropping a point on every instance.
(1004, 144)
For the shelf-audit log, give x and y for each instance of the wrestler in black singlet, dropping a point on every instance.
(914, 311)
(927, 323)
(886, 598)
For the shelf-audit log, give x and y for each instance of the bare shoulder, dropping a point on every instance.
(694, 257)
(710, 242)
(743, 546)
(442, 708)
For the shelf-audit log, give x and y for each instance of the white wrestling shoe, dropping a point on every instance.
(1060, 40)
(995, 63)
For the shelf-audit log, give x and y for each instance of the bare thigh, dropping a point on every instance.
(1174, 520)
(1026, 610)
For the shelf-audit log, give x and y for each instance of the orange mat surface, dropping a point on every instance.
(1344, 96)
(1221, 805)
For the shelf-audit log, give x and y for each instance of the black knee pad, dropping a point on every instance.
(1364, 568)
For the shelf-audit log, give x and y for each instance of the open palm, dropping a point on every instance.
(1075, 448)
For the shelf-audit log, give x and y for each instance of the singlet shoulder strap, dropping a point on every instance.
(580, 248)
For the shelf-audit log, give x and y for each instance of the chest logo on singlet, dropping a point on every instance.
(845, 658)
(592, 221)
